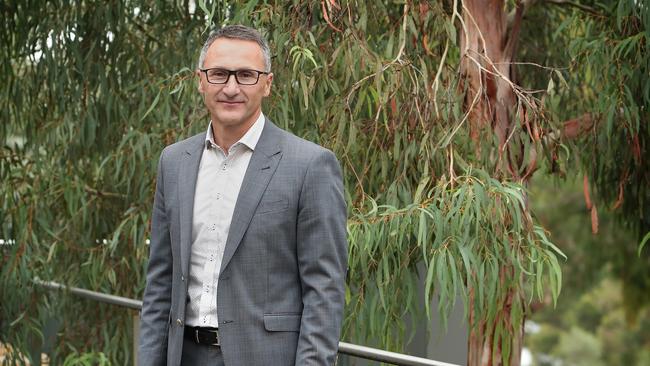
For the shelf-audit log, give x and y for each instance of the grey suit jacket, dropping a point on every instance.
(282, 279)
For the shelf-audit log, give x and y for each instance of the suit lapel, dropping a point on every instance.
(262, 166)
(187, 175)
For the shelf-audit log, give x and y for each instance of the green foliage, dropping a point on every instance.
(611, 63)
(79, 148)
(602, 80)
(86, 359)
(644, 241)
(613, 54)
(464, 251)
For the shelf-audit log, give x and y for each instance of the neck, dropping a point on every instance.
(225, 136)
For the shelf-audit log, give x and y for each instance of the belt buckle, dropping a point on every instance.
(216, 335)
(196, 335)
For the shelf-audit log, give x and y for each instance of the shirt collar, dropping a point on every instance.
(250, 138)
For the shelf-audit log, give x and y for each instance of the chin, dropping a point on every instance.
(230, 120)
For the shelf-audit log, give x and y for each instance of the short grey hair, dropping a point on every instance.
(237, 32)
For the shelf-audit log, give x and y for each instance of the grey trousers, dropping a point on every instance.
(200, 354)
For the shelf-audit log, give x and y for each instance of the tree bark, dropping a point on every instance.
(487, 54)
(488, 41)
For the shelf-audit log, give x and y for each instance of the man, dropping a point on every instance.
(248, 235)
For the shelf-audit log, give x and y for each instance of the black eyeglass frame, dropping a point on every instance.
(233, 72)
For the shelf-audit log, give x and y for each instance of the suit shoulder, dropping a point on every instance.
(176, 149)
(302, 148)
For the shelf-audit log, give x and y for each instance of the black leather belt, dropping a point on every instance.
(209, 336)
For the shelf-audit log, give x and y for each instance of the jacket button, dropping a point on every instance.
(182, 278)
(179, 322)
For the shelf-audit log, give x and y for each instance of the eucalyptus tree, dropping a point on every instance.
(437, 135)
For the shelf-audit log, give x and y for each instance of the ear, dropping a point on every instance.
(199, 81)
(267, 85)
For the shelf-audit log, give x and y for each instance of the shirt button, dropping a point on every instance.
(218, 195)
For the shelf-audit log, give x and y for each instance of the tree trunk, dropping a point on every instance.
(488, 347)
(488, 40)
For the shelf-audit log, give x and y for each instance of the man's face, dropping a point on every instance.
(232, 105)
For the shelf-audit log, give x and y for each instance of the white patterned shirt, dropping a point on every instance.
(217, 187)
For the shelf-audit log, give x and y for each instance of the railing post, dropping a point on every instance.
(136, 335)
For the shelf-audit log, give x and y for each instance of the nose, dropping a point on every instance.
(231, 88)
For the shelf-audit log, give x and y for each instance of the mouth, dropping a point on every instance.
(230, 102)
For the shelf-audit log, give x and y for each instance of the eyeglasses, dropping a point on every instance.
(243, 77)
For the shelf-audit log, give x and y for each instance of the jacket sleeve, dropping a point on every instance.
(322, 260)
(156, 302)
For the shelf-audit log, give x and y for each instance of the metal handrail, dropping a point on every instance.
(350, 349)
